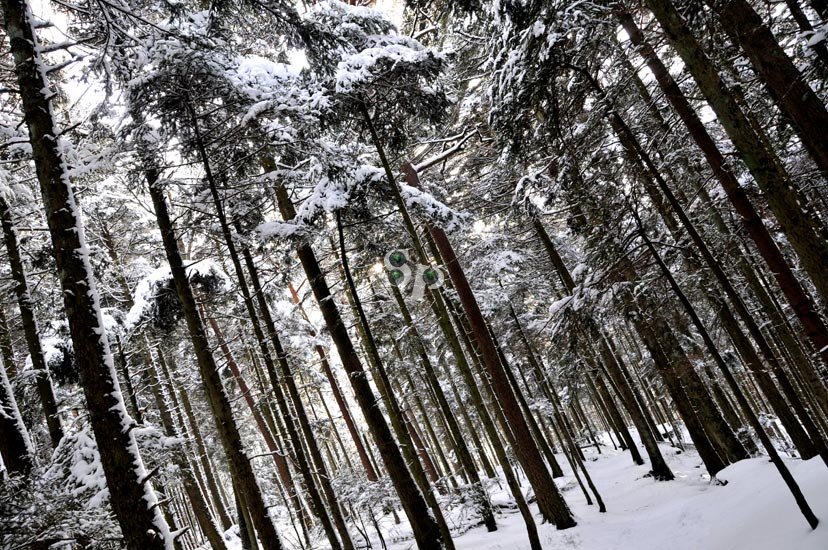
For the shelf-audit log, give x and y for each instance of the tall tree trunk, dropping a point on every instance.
(454, 337)
(247, 534)
(797, 297)
(551, 503)
(805, 26)
(131, 496)
(370, 473)
(204, 459)
(752, 418)
(783, 198)
(540, 438)
(713, 462)
(386, 390)
(6, 348)
(15, 445)
(301, 458)
(298, 405)
(426, 530)
(422, 450)
(780, 76)
(173, 389)
(276, 452)
(123, 363)
(126, 298)
(471, 429)
(734, 330)
(195, 499)
(240, 468)
(488, 424)
(24, 302)
(621, 384)
(480, 497)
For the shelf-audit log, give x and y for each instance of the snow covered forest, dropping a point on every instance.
(520, 274)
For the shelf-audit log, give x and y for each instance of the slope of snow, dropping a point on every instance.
(753, 511)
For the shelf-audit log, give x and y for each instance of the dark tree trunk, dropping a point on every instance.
(247, 534)
(622, 385)
(204, 459)
(370, 473)
(672, 380)
(551, 503)
(392, 405)
(426, 530)
(30, 330)
(819, 49)
(276, 452)
(123, 363)
(126, 298)
(737, 391)
(540, 438)
(298, 405)
(6, 348)
(821, 7)
(298, 450)
(471, 428)
(663, 191)
(133, 501)
(481, 499)
(15, 446)
(782, 79)
(195, 499)
(240, 468)
(796, 295)
(783, 198)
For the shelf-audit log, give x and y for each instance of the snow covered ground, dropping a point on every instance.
(753, 511)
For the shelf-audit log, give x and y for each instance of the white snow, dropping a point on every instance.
(753, 511)
(358, 68)
(143, 294)
(281, 230)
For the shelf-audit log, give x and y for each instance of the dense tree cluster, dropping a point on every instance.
(279, 274)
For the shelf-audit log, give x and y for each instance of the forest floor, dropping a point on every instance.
(753, 511)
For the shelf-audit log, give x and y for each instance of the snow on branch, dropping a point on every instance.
(444, 155)
(440, 213)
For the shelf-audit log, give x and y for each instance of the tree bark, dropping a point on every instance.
(240, 468)
(370, 473)
(797, 297)
(426, 531)
(6, 348)
(480, 497)
(204, 459)
(663, 191)
(386, 391)
(132, 498)
(194, 497)
(752, 418)
(15, 445)
(782, 79)
(623, 386)
(551, 503)
(24, 302)
(783, 198)
(276, 452)
(264, 311)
